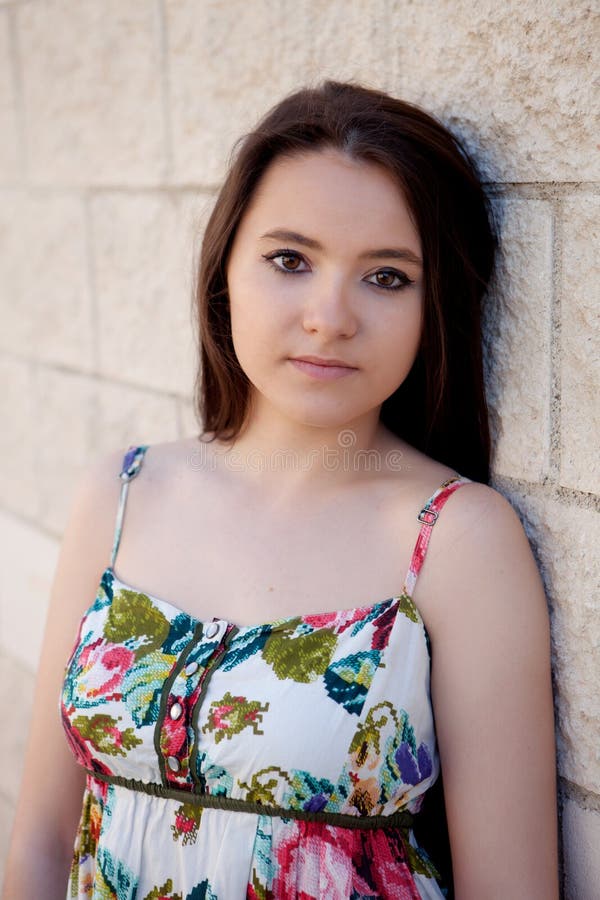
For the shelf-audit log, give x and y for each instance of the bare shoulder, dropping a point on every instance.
(487, 616)
(480, 565)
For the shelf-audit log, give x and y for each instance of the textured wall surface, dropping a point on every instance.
(116, 120)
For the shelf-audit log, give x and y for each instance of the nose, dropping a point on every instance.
(328, 311)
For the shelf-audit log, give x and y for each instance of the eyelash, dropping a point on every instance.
(269, 257)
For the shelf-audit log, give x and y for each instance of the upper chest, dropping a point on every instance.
(227, 554)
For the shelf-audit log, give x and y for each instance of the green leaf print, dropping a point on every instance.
(406, 606)
(163, 892)
(103, 734)
(301, 658)
(133, 615)
(368, 732)
(419, 861)
(231, 715)
(264, 793)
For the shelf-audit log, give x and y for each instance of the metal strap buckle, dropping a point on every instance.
(428, 516)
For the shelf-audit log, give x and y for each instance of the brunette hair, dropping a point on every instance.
(440, 408)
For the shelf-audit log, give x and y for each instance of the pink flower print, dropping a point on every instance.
(338, 620)
(313, 862)
(220, 714)
(384, 853)
(103, 667)
(230, 715)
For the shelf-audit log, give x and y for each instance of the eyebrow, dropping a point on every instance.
(386, 252)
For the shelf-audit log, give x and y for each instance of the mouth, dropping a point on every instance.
(319, 361)
(322, 370)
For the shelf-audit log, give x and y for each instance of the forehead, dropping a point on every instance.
(326, 191)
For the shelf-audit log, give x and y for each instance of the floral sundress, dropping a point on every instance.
(280, 761)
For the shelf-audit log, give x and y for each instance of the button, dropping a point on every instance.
(176, 710)
(173, 763)
(212, 630)
(191, 668)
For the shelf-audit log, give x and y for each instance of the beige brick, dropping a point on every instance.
(16, 681)
(517, 340)
(189, 425)
(227, 64)
(18, 437)
(144, 248)
(28, 558)
(9, 145)
(6, 821)
(580, 340)
(566, 541)
(581, 840)
(333, 26)
(64, 419)
(515, 79)
(126, 415)
(47, 313)
(92, 91)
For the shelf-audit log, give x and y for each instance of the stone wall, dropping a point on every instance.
(116, 121)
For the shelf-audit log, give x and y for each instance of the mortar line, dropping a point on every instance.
(555, 449)
(586, 799)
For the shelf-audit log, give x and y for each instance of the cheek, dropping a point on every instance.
(253, 330)
(260, 316)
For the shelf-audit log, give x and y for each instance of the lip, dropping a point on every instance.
(326, 370)
(319, 361)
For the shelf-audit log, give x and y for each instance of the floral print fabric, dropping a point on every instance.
(308, 715)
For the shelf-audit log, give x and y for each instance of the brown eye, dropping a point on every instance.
(385, 280)
(286, 257)
(388, 278)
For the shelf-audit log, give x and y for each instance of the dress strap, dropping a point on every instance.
(132, 463)
(428, 517)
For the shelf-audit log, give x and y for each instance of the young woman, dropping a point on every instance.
(317, 603)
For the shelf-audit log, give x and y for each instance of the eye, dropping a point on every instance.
(389, 275)
(285, 256)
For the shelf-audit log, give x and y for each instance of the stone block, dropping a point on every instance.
(47, 314)
(581, 840)
(64, 415)
(517, 331)
(7, 812)
(580, 339)
(565, 542)
(144, 247)
(189, 424)
(18, 437)
(332, 26)
(228, 63)
(28, 561)
(9, 145)
(513, 79)
(92, 91)
(16, 701)
(127, 415)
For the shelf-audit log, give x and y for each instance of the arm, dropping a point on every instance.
(492, 696)
(52, 784)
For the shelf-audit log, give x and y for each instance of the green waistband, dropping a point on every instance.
(401, 819)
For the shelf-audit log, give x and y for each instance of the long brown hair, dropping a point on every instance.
(441, 407)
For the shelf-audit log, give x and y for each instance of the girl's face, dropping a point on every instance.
(326, 262)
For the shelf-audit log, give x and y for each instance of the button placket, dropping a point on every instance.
(179, 740)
